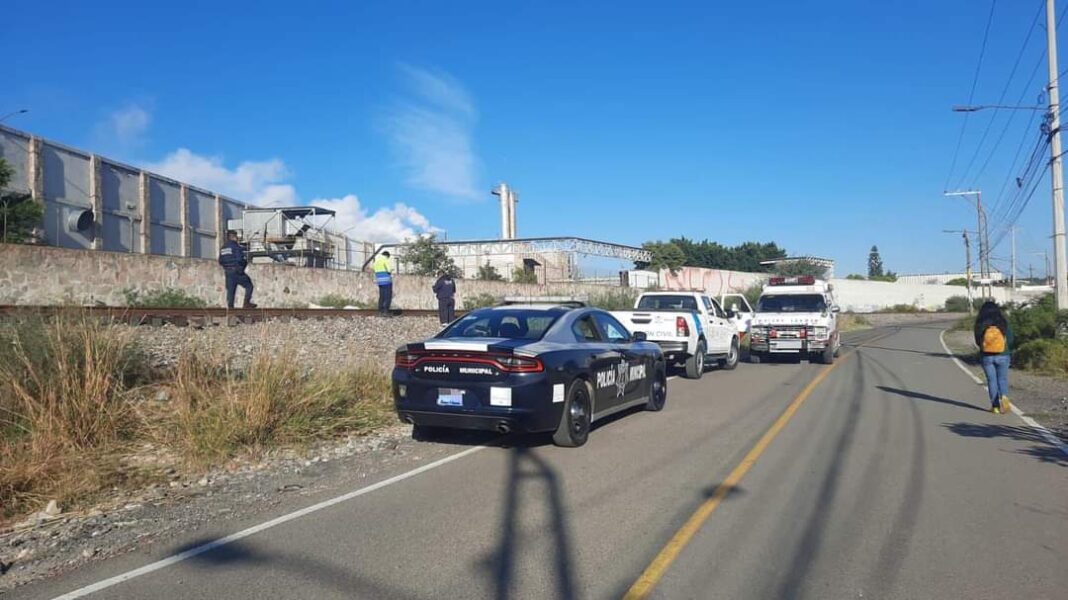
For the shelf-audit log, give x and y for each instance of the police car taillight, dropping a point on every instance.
(520, 364)
(682, 328)
(405, 359)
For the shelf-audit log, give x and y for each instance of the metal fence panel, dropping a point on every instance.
(166, 214)
(202, 243)
(120, 189)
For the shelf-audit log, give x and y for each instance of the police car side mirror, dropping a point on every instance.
(638, 336)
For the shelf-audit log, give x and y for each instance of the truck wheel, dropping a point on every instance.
(658, 393)
(728, 364)
(826, 357)
(574, 427)
(695, 365)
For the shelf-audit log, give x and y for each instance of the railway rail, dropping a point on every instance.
(199, 317)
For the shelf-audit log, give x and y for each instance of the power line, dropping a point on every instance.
(971, 94)
(1001, 98)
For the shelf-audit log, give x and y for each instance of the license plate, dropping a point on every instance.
(450, 397)
(788, 344)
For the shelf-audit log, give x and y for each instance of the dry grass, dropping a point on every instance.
(215, 412)
(63, 409)
(73, 407)
(853, 322)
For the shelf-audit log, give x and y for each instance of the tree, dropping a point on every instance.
(666, 255)
(19, 214)
(488, 272)
(713, 255)
(875, 263)
(800, 267)
(889, 276)
(856, 276)
(429, 258)
(521, 275)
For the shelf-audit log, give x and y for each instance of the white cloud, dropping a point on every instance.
(256, 182)
(263, 183)
(125, 127)
(392, 224)
(431, 133)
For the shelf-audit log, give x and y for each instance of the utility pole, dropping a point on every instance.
(980, 233)
(967, 264)
(1056, 169)
(1012, 276)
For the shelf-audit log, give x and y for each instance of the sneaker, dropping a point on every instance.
(251, 305)
(996, 410)
(1005, 406)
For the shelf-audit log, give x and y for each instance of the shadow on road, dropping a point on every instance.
(930, 398)
(1042, 450)
(527, 473)
(347, 582)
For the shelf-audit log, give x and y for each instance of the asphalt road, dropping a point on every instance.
(889, 481)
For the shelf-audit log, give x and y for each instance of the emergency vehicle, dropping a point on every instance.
(795, 316)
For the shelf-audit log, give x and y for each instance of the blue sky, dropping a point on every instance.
(824, 126)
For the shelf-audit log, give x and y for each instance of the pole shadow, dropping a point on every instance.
(527, 470)
(930, 398)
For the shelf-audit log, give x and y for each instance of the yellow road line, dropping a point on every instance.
(682, 537)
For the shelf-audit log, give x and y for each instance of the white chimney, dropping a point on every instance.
(513, 197)
(507, 207)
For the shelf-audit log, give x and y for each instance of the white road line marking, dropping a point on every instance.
(212, 545)
(1046, 434)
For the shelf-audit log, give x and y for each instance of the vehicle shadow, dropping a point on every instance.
(928, 397)
(530, 479)
(1042, 450)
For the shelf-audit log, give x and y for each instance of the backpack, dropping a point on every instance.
(993, 340)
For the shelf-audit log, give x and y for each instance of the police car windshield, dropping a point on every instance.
(659, 302)
(524, 324)
(787, 303)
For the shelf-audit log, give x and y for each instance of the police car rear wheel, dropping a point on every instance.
(574, 426)
(658, 394)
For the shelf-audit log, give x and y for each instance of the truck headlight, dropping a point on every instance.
(821, 333)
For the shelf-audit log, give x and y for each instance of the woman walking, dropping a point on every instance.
(994, 338)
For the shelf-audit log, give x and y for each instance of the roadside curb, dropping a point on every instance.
(1042, 431)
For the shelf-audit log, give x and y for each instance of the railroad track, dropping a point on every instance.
(201, 317)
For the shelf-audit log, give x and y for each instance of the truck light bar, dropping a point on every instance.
(799, 280)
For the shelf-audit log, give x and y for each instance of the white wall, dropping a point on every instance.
(871, 296)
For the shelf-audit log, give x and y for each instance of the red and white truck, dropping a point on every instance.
(795, 316)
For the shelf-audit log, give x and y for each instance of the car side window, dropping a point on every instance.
(718, 309)
(585, 330)
(708, 304)
(612, 330)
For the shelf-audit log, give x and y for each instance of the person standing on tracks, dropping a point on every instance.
(383, 268)
(994, 338)
(233, 261)
(445, 290)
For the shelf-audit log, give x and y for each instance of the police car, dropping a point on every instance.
(528, 367)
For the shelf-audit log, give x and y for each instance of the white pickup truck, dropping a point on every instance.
(691, 328)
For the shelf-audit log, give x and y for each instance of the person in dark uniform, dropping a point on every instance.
(445, 290)
(233, 261)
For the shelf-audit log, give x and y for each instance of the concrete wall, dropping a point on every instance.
(870, 296)
(42, 275)
(712, 281)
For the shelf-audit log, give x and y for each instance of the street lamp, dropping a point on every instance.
(21, 111)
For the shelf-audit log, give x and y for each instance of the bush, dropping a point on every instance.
(903, 308)
(488, 272)
(521, 275)
(622, 299)
(163, 298)
(957, 304)
(339, 301)
(480, 301)
(1049, 356)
